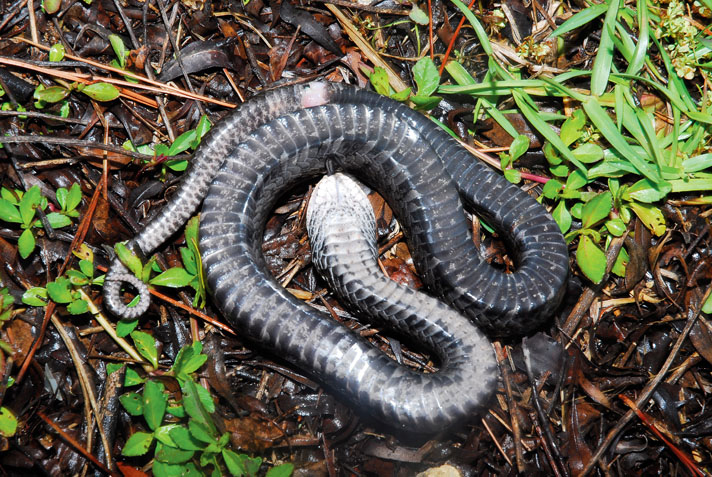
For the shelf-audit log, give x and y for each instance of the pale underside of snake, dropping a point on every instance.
(285, 137)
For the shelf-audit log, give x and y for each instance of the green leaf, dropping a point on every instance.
(424, 103)
(78, 307)
(418, 16)
(51, 6)
(647, 191)
(201, 432)
(282, 470)
(576, 180)
(189, 262)
(591, 259)
(194, 406)
(519, 146)
(178, 165)
(162, 434)
(402, 95)
(87, 268)
(132, 378)
(201, 130)
(175, 277)
(60, 290)
(132, 402)
(35, 296)
(74, 197)
(184, 439)
(154, 401)
(588, 153)
(29, 204)
(616, 227)
(53, 94)
(580, 19)
(146, 346)
(379, 80)
(111, 368)
(551, 189)
(137, 444)
(9, 212)
(604, 58)
(57, 220)
(707, 305)
(26, 243)
(571, 128)
(512, 175)
(61, 196)
(8, 422)
(56, 52)
(125, 326)
(128, 258)
(562, 217)
(596, 210)
(651, 216)
(233, 461)
(161, 469)
(426, 76)
(101, 91)
(622, 261)
(182, 143)
(119, 48)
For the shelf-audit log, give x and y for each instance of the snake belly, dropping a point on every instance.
(285, 137)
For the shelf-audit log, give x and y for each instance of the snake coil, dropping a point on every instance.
(284, 137)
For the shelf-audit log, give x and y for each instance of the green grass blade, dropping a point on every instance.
(479, 31)
(641, 49)
(544, 129)
(580, 19)
(604, 58)
(599, 117)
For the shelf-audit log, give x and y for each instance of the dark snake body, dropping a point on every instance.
(282, 138)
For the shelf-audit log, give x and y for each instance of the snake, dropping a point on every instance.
(287, 136)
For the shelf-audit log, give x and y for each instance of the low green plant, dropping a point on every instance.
(20, 208)
(189, 140)
(191, 274)
(8, 421)
(187, 441)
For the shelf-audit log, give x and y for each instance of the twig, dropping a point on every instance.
(648, 390)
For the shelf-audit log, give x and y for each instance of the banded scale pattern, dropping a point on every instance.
(285, 137)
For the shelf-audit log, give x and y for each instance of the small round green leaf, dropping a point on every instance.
(128, 258)
(588, 153)
(591, 259)
(8, 422)
(53, 94)
(60, 290)
(652, 217)
(172, 455)
(562, 217)
(101, 91)
(154, 402)
(9, 213)
(616, 227)
(146, 346)
(35, 296)
(426, 76)
(519, 146)
(596, 209)
(137, 444)
(56, 52)
(132, 402)
(78, 307)
(418, 16)
(175, 277)
(26, 243)
(57, 220)
(282, 470)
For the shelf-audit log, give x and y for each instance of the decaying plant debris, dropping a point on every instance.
(613, 108)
